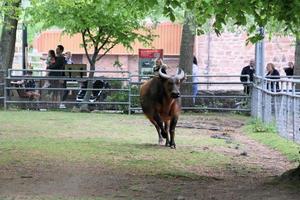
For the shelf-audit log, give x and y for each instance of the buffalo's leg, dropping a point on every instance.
(167, 125)
(160, 138)
(172, 132)
(159, 122)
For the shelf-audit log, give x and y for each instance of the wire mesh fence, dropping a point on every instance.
(278, 104)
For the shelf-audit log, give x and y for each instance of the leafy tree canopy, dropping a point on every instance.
(222, 12)
(102, 23)
(9, 8)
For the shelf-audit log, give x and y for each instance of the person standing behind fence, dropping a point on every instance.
(289, 71)
(58, 65)
(50, 60)
(195, 78)
(68, 60)
(159, 64)
(248, 70)
(272, 73)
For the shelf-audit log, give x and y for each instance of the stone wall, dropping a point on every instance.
(228, 54)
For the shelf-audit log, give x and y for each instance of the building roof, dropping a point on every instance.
(169, 38)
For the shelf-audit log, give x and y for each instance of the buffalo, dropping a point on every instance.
(161, 103)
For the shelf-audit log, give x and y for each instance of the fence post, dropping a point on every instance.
(293, 109)
(5, 74)
(129, 93)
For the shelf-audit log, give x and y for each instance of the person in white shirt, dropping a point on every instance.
(68, 58)
(196, 73)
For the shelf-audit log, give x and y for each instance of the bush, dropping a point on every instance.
(122, 96)
(260, 127)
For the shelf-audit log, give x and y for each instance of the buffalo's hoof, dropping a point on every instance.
(160, 142)
(173, 146)
(167, 144)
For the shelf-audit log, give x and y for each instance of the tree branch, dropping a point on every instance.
(104, 43)
(90, 35)
(106, 51)
(99, 34)
(85, 46)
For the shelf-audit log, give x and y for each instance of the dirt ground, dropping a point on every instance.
(88, 181)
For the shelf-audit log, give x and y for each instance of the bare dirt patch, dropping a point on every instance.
(251, 173)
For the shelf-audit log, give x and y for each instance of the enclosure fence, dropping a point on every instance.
(278, 101)
(2, 86)
(68, 90)
(115, 90)
(214, 93)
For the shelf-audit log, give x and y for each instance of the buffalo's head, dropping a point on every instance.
(171, 84)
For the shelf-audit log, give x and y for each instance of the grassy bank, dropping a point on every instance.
(267, 134)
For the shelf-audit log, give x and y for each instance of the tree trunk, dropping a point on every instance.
(297, 61)
(297, 57)
(8, 38)
(85, 107)
(186, 58)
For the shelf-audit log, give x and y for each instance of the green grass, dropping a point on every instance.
(113, 140)
(267, 134)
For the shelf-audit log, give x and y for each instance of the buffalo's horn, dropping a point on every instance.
(180, 73)
(163, 75)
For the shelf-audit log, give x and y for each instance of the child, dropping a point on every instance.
(29, 84)
(50, 60)
(159, 64)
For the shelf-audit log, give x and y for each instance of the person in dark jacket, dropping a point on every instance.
(248, 70)
(272, 73)
(58, 65)
(289, 71)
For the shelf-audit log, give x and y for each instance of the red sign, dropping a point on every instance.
(150, 53)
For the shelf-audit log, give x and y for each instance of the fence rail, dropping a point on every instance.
(66, 91)
(122, 93)
(2, 87)
(204, 100)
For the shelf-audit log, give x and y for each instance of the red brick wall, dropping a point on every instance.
(229, 53)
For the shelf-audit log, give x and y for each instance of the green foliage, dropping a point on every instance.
(260, 127)
(103, 24)
(249, 14)
(123, 96)
(10, 8)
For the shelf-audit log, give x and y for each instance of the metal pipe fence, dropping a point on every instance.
(109, 92)
(2, 87)
(211, 100)
(122, 92)
(278, 101)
